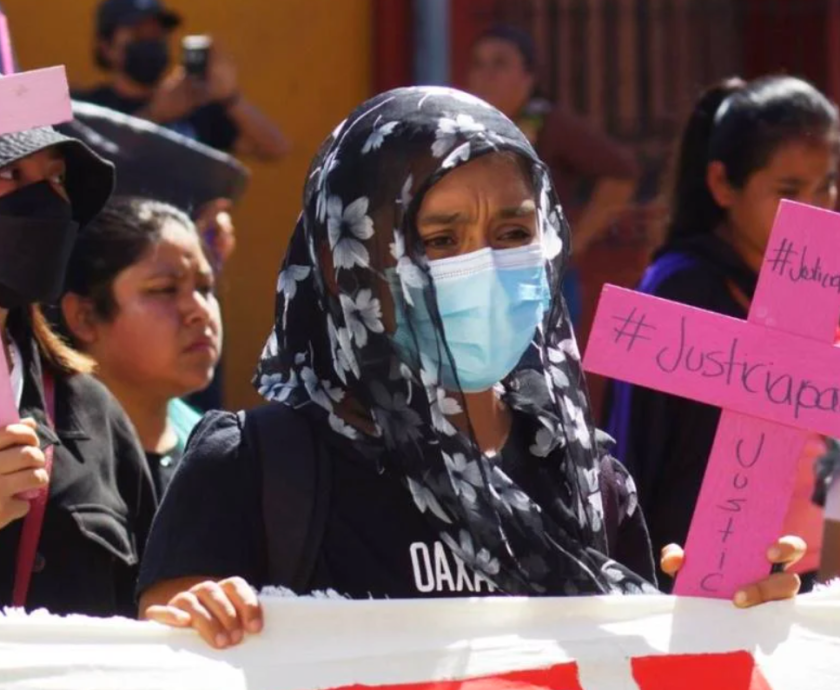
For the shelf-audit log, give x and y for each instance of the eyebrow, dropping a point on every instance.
(522, 211)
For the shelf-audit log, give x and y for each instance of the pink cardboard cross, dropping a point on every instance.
(776, 376)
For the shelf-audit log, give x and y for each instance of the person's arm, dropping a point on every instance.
(258, 135)
(830, 559)
(22, 470)
(571, 143)
(609, 199)
(207, 540)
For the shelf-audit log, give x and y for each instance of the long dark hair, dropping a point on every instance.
(116, 239)
(741, 124)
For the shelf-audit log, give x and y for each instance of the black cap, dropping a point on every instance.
(115, 13)
(90, 178)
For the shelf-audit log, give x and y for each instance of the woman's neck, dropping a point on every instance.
(148, 414)
(490, 419)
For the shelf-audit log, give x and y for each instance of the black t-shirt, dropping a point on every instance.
(376, 542)
(163, 466)
(209, 124)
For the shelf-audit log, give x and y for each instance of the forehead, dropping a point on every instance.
(176, 243)
(502, 175)
(801, 157)
(149, 27)
(494, 45)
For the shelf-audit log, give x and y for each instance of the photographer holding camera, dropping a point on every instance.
(200, 98)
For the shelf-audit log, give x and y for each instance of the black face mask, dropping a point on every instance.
(146, 61)
(37, 234)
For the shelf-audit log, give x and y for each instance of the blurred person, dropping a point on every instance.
(76, 496)
(140, 302)
(745, 147)
(133, 40)
(197, 179)
(595, 176)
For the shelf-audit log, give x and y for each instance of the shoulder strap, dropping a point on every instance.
(295, 491)
(30, 533)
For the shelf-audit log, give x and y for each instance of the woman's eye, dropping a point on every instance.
(788, 193)
(517, 234)
(164, 290)
(9, 174)
(59, 178)
(439, 241)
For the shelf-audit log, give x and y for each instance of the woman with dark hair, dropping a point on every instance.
(140, 302)
(746, 146)
(595, 177)
(76, 498)
(423, 363)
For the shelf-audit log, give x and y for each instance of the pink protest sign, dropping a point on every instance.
(34, 99)
(776, 375)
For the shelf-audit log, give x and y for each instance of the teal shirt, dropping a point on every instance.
(183, 419)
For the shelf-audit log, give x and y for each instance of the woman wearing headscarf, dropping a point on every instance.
(76, 497)
(416, 338)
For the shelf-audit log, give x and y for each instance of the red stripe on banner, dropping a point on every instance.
(561, 677)
(734, 671)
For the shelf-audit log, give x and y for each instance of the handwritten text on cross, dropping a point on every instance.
(775, 375)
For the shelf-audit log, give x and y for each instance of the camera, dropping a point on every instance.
(195, 55)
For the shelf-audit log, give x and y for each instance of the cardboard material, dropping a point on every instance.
(776, 377)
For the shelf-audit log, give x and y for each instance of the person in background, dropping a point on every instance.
(595, 176)
(140, 302)
(197, 179)
(444, 431)
(133, 40)
(827, 496)
(746, 146)
(100, 498)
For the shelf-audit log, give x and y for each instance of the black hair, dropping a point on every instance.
(116, 239)
(741, 124)
(520, 39)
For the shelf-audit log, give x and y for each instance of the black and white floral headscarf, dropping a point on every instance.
(330, 346)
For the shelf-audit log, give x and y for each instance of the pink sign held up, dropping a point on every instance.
(34, 99)
(776, 376)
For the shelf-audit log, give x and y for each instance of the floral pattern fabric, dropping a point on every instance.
(330, 350)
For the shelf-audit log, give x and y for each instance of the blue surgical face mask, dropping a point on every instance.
(490, 302)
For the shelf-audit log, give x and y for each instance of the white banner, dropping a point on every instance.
(615, 643)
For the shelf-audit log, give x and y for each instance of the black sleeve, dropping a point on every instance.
(667, 440)
(210, 522)
(214, 128)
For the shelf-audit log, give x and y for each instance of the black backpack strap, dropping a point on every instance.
(296, 490)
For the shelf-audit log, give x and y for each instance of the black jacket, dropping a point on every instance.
(101, 501)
